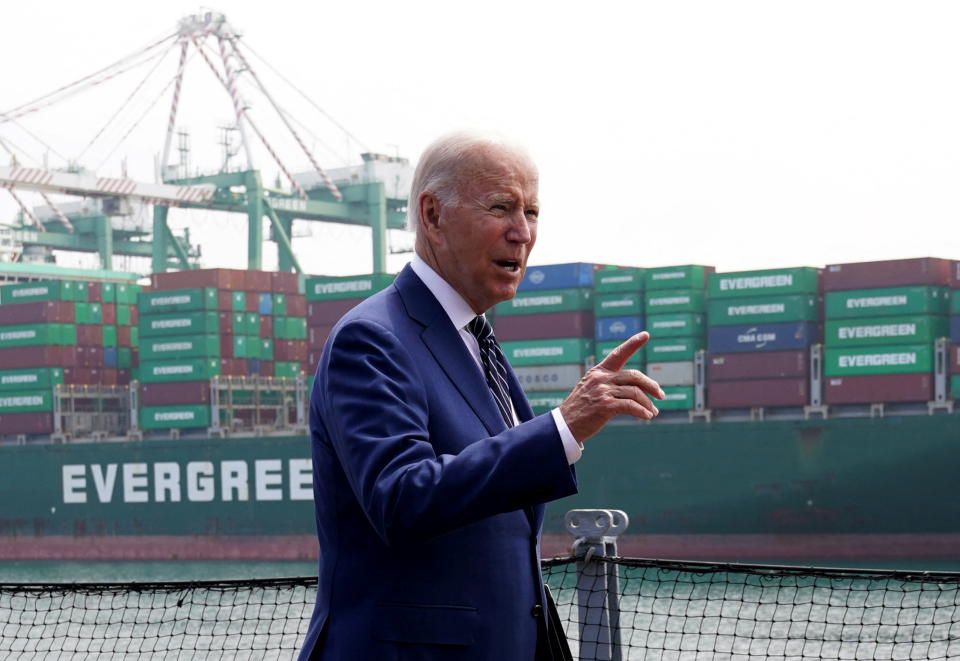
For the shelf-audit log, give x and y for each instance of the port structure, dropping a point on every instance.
(103, 221)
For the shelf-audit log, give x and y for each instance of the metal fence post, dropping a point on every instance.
(598, 583)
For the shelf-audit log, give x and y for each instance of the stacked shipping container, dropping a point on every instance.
(955, 330)
(675, 307)
(882, 321)
(546, 331)
(761, 326)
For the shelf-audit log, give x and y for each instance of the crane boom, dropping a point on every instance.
(48, 181)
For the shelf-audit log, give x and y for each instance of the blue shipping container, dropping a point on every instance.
(253, 365)
(557, 276)
(266, 304)
(618, 328)
(761, 337)
(109, 356)
(955, 328)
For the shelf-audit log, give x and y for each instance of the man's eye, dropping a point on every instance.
(533, 214)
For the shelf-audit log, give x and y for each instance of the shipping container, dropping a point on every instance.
(180, 323)
(108, 314)
(52, 290)
(622, 278)
(94, 292)
(26, 423)
(191, 369)
(676, 398)
(925, 271)
(954, 387)
(755, 393)
(257, 281)
(543, 402)
(183, 416)
(955, 359)
(231, 279)
(539, 302)
(181, 346)
(28, 335)
(540, 378)
(894, 359)
(88, 313)
(109, 336)
(878, 388)
(110, 357)
(673, 349)
(179, 300)
(558, 276)
(317, 336)
(619, 304)
(763, 310)
(263, 304)
(108, 292)
(26, 401)
(238, 301)
(33, 378)
(635, 361)
(762, 337)
(955, 329)
(266, 348)
(290, 350)
(289, 328)
(690, 276)
(62, 312)
(617, 328)
(858, 303)
(125, 315)
(125, 294)
(549, 352)
(758, 365)
(287, 369)
(89, 356)
(885, 330)
(296, 306)
(672, 373)
(675, 300)
(38, 356)
(81, 376)
(329, 312)
(676, 324)
(325, 288)
(799, 280)
(284, 283)
(89, 334)
(181, 392)
(245, 347)
(551, 325)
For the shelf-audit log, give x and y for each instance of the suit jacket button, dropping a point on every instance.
(537, 611)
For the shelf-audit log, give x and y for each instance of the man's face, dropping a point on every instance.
(481, 241)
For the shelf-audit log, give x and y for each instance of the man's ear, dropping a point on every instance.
(429, 214)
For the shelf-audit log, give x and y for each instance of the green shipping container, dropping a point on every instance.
(954, 302)
(859, 303)
(689, 276)
(33, 378)
(799, 280)
(627, 278)
(29, 401)
(238, 301)
(553, 300)
(181, 346)
(245, 346)
(109, 336)
(286, 369)
(896, 359)
(266, 348)
(253, 324)
(618, 304)
(675, 300)
(108, 292)
(28, 335)
(88, 313)
(190, 369)
(134, 336)
(325, 288)
(541, 402)
(127, 294)
(279, 305)
(549, 352)
(762, 310)
(180, 323)
(636, 361)
(674, 348)
(955, 386)
(677, 324)
(676, 398)
(886, 330)
(124, 357)
(51, 290)
(290, 328)
(177, 300)
(124, 315)
(174, 417)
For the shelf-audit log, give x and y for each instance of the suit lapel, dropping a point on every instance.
(444, 342)
(524, 413)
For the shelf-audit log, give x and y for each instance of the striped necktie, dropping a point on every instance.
(494, 365)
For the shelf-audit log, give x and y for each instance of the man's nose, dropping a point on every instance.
(520, 230)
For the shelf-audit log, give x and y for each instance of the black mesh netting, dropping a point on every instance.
(614, 608)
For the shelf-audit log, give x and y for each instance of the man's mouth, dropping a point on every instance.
(511, 265)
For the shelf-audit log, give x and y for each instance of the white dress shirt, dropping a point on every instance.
(461, 314)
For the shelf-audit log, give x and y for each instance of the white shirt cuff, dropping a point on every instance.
(571, 446)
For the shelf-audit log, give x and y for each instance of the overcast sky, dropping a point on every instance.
(737, 134)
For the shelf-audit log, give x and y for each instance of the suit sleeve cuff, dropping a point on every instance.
(572, 447)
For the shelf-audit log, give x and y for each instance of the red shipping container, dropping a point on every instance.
(226, 322)
(252, 303)
(892, 273)
(26, 423)
(266, 368)
(232, 279)
(233, 367)
(89, 356)
(89, 334)
(955, 359)
(546, 326)
(878, 388)
(108, 314)
(123, 377)
(955, 275)
(134, 357)
(225, 301)
(257, 281)
(81, 376)
(38, 312)
(296, 305)
(123, 336)
(290, 350)
(284, 283)
(266, 325)
(109, 376)
(317, 336)
(226, 346)
(753, 393)
(757, 365)
(328, 312)
(94, 292)
(38, 356)
(168, 394)
(134, 315)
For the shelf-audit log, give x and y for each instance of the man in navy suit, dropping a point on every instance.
(430, 469)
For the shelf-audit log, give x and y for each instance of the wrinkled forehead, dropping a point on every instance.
(501, 166)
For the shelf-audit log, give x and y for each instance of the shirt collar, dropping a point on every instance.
(450, 300)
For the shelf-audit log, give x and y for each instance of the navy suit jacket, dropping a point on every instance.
(428, 508)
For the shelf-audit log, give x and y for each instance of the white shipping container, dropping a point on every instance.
(540, 378)
(673, 373)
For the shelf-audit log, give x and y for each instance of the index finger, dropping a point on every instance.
(617, 358)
